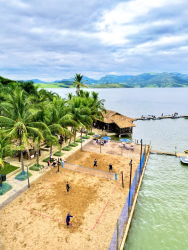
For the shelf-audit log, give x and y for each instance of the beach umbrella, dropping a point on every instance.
(125, 140)
(96, 135)
(106, 138)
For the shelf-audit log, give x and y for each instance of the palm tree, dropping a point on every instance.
(5, 150)
(79, 114)
(78, 83)
(19, 119)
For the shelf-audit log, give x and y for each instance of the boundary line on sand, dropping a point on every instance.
(24, 207)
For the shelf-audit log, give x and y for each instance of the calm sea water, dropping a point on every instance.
(160, 220)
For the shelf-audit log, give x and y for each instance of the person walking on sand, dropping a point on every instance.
(68, 187)
(68, 220)
(110, 167)
(95, 163)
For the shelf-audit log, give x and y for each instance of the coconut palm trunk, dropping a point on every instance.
(22, 162)
(37, 157)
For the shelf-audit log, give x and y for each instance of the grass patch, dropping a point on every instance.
(85, 137)
(35, 167)
(67, 148)
(8, 168)
(58, 153)
(5, 188)
(79, 140)
(46, 159)
(22, 177)
(73, 144)
(91, 133)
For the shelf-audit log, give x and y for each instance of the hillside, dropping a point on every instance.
(114, 79)
(110, 85)
(162, 80)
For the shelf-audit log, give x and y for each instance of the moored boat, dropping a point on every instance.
(184, 159)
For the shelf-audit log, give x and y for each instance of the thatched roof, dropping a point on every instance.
(121, 121)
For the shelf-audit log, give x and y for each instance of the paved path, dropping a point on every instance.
(20, 186)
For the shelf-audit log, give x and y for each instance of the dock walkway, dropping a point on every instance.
(168, 153)
(161, 117)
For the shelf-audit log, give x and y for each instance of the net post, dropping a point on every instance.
(122, 179)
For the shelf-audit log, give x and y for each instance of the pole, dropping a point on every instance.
(140, 156)
(58, 166)
(28, 177)
(81, 139)
(130, 164)
(122, 179)
(117, 246)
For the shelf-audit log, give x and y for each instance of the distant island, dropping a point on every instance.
(145, 80)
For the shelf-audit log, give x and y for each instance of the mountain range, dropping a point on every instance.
(158, 80)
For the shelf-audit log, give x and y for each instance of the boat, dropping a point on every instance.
(174, 117)
(186, 151)
(184, 159)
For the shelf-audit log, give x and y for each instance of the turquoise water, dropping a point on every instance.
(161, 216)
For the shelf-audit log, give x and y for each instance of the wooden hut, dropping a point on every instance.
(116, 123)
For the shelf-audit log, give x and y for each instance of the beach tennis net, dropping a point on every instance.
(128, 203)
(90, 171)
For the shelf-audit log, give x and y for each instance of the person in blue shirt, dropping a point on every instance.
(68, 220)
(95, 163)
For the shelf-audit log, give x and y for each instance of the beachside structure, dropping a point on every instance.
(115, 123)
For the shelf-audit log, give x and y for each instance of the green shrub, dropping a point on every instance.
(8, 168)
(22, 177)
(79, 140)
(5, 188)
(91, 133)
(73, 144)
(85, 137)
(46, 159)
(67, 148)
(58, 153)
(35, 167)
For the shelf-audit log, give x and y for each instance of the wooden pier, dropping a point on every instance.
(146, 118)
(168, 153)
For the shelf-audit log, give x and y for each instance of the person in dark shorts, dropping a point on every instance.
(68, 220)
(95, 163)
(110, 167)
(68, 187)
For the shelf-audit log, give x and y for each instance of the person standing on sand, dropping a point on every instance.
(110, 167)
(95, 163)
(68, 220)
(67, 187)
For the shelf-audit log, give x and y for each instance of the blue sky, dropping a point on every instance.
(52, 40)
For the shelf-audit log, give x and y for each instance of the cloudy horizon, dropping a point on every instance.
(53, 40)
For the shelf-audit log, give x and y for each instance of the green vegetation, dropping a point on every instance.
(91, 133)
(110, 85)
(85, 137)
(46, 159)
(5, 188)
(35, 167)
(79, 140)
(30, 117)
(67, 148)
(73, 144)
(58, 153)
(22, 176)
(8, 168)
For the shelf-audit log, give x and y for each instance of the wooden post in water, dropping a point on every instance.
(130, 164)
(122, 179)
(117, 245)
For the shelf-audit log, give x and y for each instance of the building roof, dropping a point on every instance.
(121, 121)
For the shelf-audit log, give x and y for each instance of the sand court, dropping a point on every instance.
(36, 219)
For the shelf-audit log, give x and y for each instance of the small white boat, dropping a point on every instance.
(184, 159)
